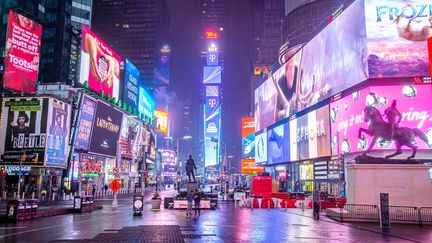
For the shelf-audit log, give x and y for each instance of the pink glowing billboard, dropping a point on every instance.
(397, 32)
(100, 65)
(347, 116)
(21, 61)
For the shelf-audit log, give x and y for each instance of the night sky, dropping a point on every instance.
(186, 64)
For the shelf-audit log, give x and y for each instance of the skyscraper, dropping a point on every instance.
(137, 30)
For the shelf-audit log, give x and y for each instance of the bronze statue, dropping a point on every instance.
(378, 128)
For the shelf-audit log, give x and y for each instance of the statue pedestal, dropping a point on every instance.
(191, 186)
(407, 184)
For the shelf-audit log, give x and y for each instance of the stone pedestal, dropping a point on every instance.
(407, 184)
(191, 186)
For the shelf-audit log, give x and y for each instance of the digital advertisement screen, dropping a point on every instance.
(248, 137)
(397, 32)
(58, 134)
(212, 58)
(278, 147)
(161, 72)
(161, 121)
(129, 137)
(146, 105)
(212, 74)
(212, 91)
(131, 91)
(106, 130)
(169, 163)
(21, 63)
(100, 65)
(85, 123)
(347, 116)
(212, 130)
(309, 76)
(310, 135)
(23, 130)
(261, 148)
(248, 167)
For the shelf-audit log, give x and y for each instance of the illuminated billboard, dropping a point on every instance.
(146, 105)
(347, 115)
(161, 121)
(21, 63)
(84, 124)
(310, 135)
(161, 72)
(211, 130)
(131, 79)
(278, 147)
(397, 32)
(169, 163)
(212, 74)
(212, 91)
(248, 167)
(100, 65)
(261, 148)
(212, 55)
(248, 137)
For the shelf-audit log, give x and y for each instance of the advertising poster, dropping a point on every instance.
(23, 130)
(106, 130)
(347, 116)
(169, 163)
(212, 74)
(129, 137)
(58, 134)
(248, 137)
(212, 130)
(248, 167)
(146, 105)
(309, 76)
(151, 148)
(311, 138)
(100, 65)
(161, 121)
(131, 91)
(85, 123)
(397, 33)
(21, 61)
(261, 148)
(278, 148)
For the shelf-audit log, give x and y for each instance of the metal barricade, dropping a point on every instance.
(404, 214)
(425, 215)
(360, 212)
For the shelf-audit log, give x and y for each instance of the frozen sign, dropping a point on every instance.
(397, 33)
(347, 115)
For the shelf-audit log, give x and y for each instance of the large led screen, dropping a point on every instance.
(58, 134)
(248, 137)
(310, 135)
(23, 130)
(146, 105)
(397, 32)
(85, 123)
(129, 137)
(100, 65)
(161, 72)
(161, 121)
(131, 80)
(21, 61)
(212, 91)
(311, 76)
(169, 164)
(347, 115)
(106, 130)
(261, 148)
(278, 147)
(211, 130)
(212, 74)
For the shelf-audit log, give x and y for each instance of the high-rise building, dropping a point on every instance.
(137, 30)
(81, 13)
(213, 20)
(55, 17)
(267, 19)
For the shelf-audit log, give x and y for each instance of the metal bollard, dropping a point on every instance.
(53, 196)
(286, 205)
(303, 205)
(14, 195)
(4, 195)
(64, 196)
(33, 194)
(23, 195)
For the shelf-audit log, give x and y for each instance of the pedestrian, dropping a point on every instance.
(94, 190)
(189, 199)
(197, 200)
(106, 188)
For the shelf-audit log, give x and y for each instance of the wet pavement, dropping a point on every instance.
(227, 224)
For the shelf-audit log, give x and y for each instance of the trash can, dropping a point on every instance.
(34, 207)
(138, 205)
(12, 210)
(77, 204)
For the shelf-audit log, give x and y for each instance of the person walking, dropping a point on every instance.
(190, 167)
(197, 200)
(106, 188)
(94, 190)
(189, 199)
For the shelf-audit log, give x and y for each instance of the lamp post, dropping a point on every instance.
(215, 140)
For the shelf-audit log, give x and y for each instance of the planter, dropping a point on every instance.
(155, 203)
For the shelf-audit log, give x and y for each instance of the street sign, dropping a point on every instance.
(115, 185)
(384, 210)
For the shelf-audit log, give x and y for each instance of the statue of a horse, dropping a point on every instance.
(378, 128)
